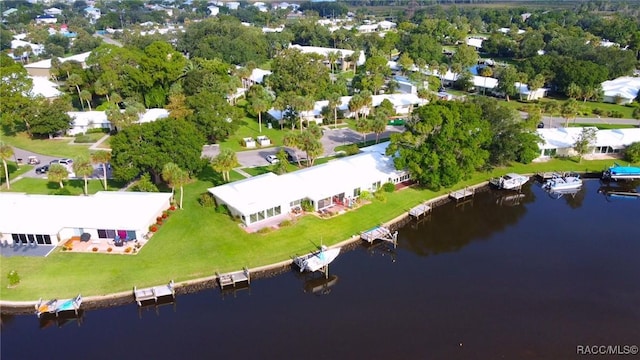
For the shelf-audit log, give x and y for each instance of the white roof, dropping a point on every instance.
(250, 195)
(43, 87)
(325, 51)
(524, 88)
(475, 42)
(48, 214)
(152, 115)
(46, 64)
(84, 118)
(485, 82)
(625, 86)
(561, 138)
(257, 75)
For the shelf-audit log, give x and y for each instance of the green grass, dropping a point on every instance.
(14, 172)
(94, 137)
(196, 242)
(74, 186)
(251, 129)
(51, 147)
(586, 108)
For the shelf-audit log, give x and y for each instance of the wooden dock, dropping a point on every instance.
(380, 233)
(154, 293)
(419, 211)
(462, 194)
(231, 279)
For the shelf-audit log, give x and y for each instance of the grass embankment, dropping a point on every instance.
(51, 147)
(196, 242)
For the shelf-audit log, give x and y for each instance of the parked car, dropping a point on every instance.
(540, 125)
(272, 159)
(33, 160)
(42, 169)
(65, 162)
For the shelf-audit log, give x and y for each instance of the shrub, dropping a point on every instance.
(365, 195)
(632, 152)
(63, 191)
(615, 114)
(94, 249)
(165, 214)
(83, 139)
(388, 187)
(13, 277)
(127, 250)
(265, 230)
(222, 209)
(285, 223)
(172, 208)
(380, 195)
(109, 249)
(97, 130)
(153, 228)
(306, 205)
(206, 200)
(351, 149)
(597, 111)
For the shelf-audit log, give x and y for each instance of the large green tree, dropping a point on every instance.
(14, 85)
(304, 74)
(146, 147)
(443, 145)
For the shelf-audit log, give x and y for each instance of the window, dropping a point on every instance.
(253, 218)
(102, 234)
(47, 239)
(356, 192)
(270, 212)
(111, 234)
(277, 210)
(40, 239)
(550, 152)
(261, 215)
(32, 238)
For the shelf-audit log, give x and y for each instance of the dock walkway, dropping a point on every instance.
(231, 279)
(380, 233)
(420, 210)
(154, 293)
(462, 194)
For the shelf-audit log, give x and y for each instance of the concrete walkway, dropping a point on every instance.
(96, 145)
(242, 172)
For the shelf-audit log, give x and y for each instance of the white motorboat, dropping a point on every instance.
(563, 182)
(317, 260)
(509, 181)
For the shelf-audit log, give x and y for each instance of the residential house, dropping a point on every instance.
(44, 88)
(92, 13)
(46, 19)
(81, 121)
(53, 11)
(622, 90)
(338, 182)
(129, 217)
(43, 67)
(559, 142)
(325, 52)
(527, 94)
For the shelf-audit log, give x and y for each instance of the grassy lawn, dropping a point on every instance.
(74, 186)
(197, 242)
(586, 108)
(52, 147)
(14, 172)
(251, 129)
(94, 137)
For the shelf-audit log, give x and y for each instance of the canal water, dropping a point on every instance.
(505, 275)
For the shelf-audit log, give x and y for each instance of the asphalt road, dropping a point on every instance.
(45, 159)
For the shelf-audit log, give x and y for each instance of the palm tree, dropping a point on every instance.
(100, 89)
(180, 179)
(86, 96)
(170, 174)
(301, 104)
(259, 105)
(367, 100)
(333, 57)
(6, 152)
(57, 173)
(82, 167)
(102, 157)
(569, 110)
(379, 124)
(225, 162)
(334, 102)
(355, 104)
(292, 140)
(75, 80)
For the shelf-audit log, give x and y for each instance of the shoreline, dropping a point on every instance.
(210, 282)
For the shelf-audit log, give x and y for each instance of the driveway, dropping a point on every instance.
(44, 160)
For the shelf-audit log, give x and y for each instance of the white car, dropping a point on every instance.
(272, 159)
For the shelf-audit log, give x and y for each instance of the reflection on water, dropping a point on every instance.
(503, 276)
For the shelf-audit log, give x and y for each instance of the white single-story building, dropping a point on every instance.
(43, 87)
(53, 219)
(623, 89)
(325, 52)
(36, 49)
(523, 90)
(403, 104)
(475, 42)
(46, 19)
(43, 67)
(340, 181)
(559, 142)
(81, 121)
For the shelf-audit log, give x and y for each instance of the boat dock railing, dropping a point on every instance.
(420, 210)
(380, 233)
(462, 194)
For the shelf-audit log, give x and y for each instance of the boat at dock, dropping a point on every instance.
(511, 181)
(57, 307)
(619, 172)
(563, 182)
(316, 260)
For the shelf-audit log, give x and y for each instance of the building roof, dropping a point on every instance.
(325, 51)
(562, 138)
(268, 190)
(48, 214)
(46, 64)
(84, 118)
(626, 87)
(43, 87)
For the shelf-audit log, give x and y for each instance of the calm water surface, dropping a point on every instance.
(526, 277)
